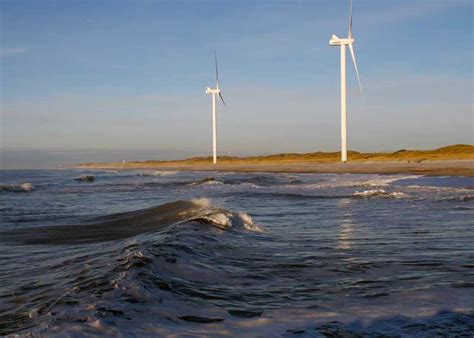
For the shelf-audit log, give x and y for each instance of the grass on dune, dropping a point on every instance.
(452, 152)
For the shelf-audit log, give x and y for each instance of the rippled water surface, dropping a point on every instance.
(151, 253)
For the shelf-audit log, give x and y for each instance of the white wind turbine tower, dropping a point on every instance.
(335, 41)
(215, 92)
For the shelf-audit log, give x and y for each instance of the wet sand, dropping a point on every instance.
(433, 168)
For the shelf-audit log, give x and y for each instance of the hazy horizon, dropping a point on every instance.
(88, 80)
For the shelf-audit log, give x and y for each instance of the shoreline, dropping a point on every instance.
(428, 168)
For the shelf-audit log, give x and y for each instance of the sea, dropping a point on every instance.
(146, 253)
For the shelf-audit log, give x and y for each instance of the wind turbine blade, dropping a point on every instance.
(351, 48)
(222, 99)
(350, 22)
(217, 70)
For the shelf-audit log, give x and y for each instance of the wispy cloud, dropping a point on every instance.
(12, 51)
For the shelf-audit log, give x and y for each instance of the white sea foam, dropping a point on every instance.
(202, 202)
(220, 219)
(156, 173)
(164, 173)
(211, 182)
(226, 219)
(461, 198)
(385, 181)
(23, 187)
(250, 185)
(248, 223)
(428, 188)
(378, 193)
(348, 181)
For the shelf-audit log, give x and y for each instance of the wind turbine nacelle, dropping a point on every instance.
(212, 91)
(335, 41)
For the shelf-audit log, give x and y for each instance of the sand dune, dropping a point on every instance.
(450, 160)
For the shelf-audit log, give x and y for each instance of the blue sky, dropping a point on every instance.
(129, 77)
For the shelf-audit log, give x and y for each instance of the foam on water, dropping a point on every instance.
(386, 181)
(353, 181)
(22, 187)
(225, 219)
(157, 173)
(379, 193)
(202, 202)
(424, 188)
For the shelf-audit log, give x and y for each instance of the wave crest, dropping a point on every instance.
(133, 223)
(462, 198)
(85, 178)
(224, 219)
(23, 187)
(378, 193)
(202, 202)
(157, 173)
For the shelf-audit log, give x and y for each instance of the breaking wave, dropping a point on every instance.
(133, 223)
(23, 187)
(85, 178)
(354, 181)
(157, 173)
(379, 193)
(438, 189)
(375, 193)
(252, 181)
(205, 181)
(466, 198)
(386, 181)
(107, 265)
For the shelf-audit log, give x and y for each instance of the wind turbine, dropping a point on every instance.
(215, 92)
(335, 41)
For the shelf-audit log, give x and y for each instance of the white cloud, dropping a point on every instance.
(12, 51)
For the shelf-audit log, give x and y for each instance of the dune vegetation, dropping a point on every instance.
(448, 153)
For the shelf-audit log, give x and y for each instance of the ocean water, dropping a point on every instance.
(156, 253)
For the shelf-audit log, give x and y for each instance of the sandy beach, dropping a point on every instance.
(433, 168)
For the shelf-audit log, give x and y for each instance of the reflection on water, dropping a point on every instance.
(346, 224)
(344, 236)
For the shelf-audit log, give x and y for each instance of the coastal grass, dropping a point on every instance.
(448, 153)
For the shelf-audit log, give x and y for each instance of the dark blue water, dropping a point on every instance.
(156, 253)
